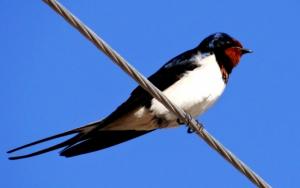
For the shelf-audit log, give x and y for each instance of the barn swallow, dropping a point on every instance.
(193, 80)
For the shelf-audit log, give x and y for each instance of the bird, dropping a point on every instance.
(193, 80)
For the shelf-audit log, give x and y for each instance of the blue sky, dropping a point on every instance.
(53, 80)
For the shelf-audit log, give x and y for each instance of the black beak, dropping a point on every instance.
(246, 51)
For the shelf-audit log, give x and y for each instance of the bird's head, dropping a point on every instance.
(227, 50)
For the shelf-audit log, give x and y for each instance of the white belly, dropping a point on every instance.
(195, 92)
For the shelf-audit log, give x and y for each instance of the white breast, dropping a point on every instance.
(196, 91)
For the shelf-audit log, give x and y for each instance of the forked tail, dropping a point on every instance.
(80, 134)
(88, 138)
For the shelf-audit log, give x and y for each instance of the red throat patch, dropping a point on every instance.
(234, 54)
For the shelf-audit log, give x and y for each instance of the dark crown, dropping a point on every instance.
(217, 42)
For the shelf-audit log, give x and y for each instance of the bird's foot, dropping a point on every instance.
(189, 129)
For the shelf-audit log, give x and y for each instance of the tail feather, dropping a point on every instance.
(43, 140)
(80, 132)
(57, 146)
(88, 138)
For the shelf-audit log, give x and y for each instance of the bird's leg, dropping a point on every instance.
(189, 117)
(190, 130)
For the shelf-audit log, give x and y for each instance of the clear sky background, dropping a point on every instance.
(52, 80)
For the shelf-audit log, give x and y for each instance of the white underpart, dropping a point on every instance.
(195, 92)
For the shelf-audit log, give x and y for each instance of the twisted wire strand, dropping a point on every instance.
(156, 93)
